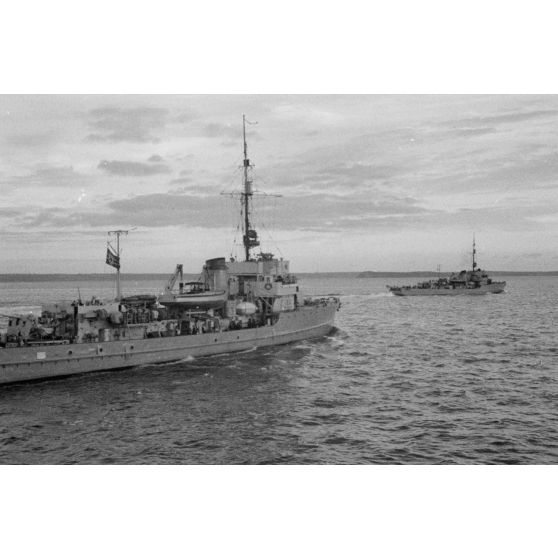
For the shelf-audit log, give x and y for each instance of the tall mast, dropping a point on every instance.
(250, 237)
(474, 253)
(247, 191)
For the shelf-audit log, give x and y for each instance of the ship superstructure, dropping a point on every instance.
(235, 305)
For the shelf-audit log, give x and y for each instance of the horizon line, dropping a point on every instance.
(370, 272)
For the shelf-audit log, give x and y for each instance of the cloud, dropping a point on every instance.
(468, 132)
(323, 174)
(325, 213)
(132, 168)
(135, 125)
(526, 170)
(155, 159)
(51, 177)
(359, 171)
(185, 116)
(214, 130)
(9, 212)
(152, 210)
(506, 118)
(181, 181)
(164, 209)
(330, 212)
(231, 134)
(312, 212)
(38, 237)
(40, 139)
(303, 212)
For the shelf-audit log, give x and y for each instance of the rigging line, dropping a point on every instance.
(231, 217)
(261, 223)
(273, 240)
(266, 183)
(233, 180)
(257, 179)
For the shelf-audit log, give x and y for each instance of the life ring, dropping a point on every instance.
(268, 286)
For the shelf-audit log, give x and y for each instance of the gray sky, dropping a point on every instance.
(380, 182)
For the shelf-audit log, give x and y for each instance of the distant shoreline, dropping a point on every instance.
(163, 277)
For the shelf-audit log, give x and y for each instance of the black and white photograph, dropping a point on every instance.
(326, 279)
(253, 271)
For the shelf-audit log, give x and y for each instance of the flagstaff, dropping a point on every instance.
(113, 258)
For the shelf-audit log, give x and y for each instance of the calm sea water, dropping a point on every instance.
(401, 380)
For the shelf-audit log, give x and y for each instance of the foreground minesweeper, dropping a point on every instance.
(466, 282)
(235, 306)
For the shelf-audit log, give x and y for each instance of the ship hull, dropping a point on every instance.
(31, 363)
(494, 288)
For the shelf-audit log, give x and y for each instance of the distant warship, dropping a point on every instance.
(466, 282)
(235, 306)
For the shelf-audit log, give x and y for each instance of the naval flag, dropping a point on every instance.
(112, 258)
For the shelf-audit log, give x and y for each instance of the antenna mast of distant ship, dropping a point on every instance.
(250, 237)
(474, 253)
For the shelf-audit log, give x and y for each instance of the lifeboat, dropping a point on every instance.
(194, 298)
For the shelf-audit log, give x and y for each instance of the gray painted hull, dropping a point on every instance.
(493, 288)
(32, 363)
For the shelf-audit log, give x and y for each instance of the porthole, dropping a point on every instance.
(70, 352)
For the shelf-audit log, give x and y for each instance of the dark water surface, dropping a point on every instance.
(401, 380)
